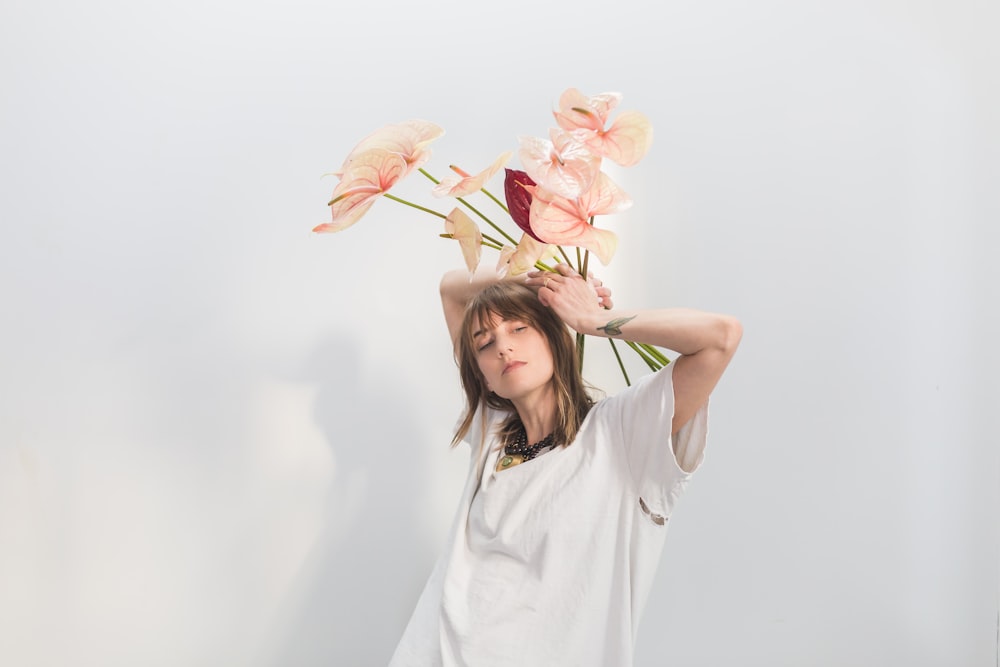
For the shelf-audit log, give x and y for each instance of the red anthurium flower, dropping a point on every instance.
(564, 221)
(517, 188)
(370, 175)
(466, 185)
(563, 165)
(409, 139)
(627, 140)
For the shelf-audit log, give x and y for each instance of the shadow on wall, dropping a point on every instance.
(353, 595)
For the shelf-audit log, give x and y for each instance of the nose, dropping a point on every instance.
(504, 346)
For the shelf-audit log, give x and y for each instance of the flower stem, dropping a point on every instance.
(655, 353)
(487, 220)
(416, 206)
(499, 203)
(472, 208)
(586, 255)
(565, 256)
(492, 240)
(649, 361)
(614, 348)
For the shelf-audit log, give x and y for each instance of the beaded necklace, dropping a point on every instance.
(518, 451)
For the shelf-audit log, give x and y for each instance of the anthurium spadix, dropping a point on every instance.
(625, 142)
(465, 184)
(370, 175)
(562, 221)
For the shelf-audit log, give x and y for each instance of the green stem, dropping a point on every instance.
(649, 361)
(565, 256)
(621, 365)
(424, 172)
(473, 209)
(586, 255)
(493, 240)
(655, 353)
(499, 203)
(416, 206)
(580, 340)
(487, 220)
(487, 241)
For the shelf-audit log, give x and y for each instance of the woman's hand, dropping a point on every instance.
(569, 295)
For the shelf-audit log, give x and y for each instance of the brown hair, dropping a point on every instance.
(511, 301)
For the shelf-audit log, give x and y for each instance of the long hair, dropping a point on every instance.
(511, 301)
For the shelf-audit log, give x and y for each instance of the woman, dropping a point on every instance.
(567, 502)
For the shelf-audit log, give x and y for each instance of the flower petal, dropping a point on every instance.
(578, 112)
(562, 221)
(469, 237)
(516, 261)
(408, 138)
(461, 187)
(370, 175)
(603, 198)
(627, 140)
(563, 165)
(517, 187)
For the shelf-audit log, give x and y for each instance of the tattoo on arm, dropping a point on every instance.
(614, 327)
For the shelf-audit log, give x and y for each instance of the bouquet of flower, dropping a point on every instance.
(553, 202)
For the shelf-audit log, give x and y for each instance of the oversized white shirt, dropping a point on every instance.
(550, 562)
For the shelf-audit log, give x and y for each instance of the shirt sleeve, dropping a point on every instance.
(660, 466)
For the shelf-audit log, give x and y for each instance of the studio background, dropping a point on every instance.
(224, 439)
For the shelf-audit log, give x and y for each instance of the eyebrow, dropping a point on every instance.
(482, 331)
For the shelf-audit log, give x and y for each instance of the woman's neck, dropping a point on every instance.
(538, 414)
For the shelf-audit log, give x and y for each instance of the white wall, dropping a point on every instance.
(223, 440)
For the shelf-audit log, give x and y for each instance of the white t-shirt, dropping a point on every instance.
(550, 562)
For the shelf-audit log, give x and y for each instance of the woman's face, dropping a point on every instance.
(514, 357)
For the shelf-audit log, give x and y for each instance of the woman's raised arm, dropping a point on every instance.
(457, 288)
(705, 341)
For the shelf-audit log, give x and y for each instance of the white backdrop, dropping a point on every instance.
(224, 440)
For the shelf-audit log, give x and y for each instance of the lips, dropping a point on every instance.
(512, 365)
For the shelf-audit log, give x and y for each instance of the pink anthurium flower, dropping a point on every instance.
(517, 189)
(371, 175)
(409, 139)
(563, 165)
(519, 260)
(469, 237)
(563, 221)
(627, 140)
(579, 112)
(465, 185)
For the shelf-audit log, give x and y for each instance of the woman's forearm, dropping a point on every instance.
(682, 330)
(457, 288)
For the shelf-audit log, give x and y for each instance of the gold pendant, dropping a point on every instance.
(509, 461)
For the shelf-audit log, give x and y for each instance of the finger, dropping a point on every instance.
(566, 270)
